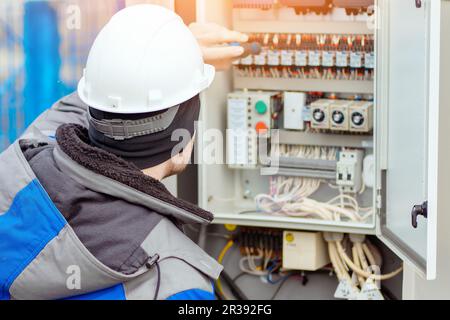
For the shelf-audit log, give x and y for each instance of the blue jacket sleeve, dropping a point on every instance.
(194, 294)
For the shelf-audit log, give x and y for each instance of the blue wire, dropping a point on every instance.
(269, 278)
(271, 268)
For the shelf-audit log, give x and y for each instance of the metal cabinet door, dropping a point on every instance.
(407, 122)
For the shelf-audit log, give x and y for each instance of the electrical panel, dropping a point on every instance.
(300, 118)
(339, 147)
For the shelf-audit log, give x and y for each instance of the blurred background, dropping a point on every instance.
(43, 50)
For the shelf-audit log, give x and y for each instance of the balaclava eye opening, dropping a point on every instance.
(149, 150)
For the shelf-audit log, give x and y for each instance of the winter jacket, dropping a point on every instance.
(77, 222)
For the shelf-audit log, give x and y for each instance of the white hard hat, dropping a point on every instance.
(144, 60)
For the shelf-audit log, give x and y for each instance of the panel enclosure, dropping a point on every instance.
(405, 143)
(408, 93)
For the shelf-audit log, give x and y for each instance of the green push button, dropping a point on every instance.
(261, 107)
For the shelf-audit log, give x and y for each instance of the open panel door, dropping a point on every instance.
(407, 122)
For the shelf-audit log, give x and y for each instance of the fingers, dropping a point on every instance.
(222, 53)
(213, 39)
(220, 37)
(233, 36)
(213, 34)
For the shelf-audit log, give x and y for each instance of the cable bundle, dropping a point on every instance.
(261, 251)
(305, 152)
(290, 196)
(365, 262)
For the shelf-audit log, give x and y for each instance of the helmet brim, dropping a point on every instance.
(209, 73)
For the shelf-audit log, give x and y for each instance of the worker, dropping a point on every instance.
(83, 212)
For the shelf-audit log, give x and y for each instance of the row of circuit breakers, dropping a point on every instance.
(352, 7)
(307, 50)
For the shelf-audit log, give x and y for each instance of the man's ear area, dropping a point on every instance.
(184, 158)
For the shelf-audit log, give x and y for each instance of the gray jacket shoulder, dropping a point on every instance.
(69, 109)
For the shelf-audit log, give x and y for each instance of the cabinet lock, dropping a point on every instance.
(419, 210)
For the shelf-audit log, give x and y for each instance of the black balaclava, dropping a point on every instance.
(149, 150)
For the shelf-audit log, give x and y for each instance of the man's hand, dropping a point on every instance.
(214, 41)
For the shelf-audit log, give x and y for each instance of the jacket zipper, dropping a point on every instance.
(152, 261)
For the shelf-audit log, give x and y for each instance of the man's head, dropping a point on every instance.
(142, 83)
(148, 150)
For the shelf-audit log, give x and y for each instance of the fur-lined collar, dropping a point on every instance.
(73, 140)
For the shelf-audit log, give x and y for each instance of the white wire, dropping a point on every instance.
(250, 269)
(291, 196)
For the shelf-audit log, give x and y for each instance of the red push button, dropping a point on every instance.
(261, 127)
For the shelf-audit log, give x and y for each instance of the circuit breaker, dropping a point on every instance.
(350, 170)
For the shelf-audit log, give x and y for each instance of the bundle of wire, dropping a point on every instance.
(290, 196)
(261, 250)
(263, 262)
(365, 263)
